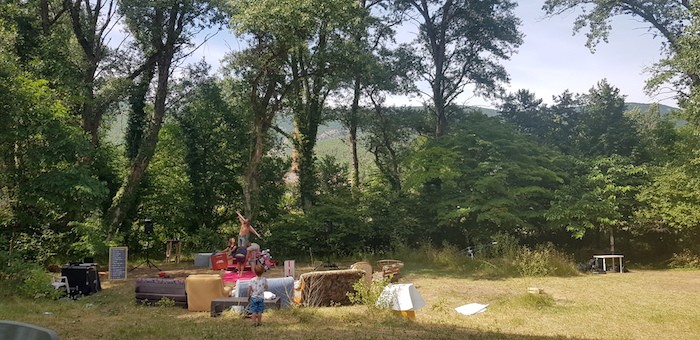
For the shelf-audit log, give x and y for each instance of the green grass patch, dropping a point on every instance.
(645, 304)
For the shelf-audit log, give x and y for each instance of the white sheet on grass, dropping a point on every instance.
(472, 308)
(401, 297)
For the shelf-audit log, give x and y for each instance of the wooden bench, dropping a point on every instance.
(218, 305)
(390, 269)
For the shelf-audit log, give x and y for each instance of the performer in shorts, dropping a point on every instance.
(246, 228)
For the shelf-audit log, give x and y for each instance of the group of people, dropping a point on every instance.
(242, 255)
(245, 253)
(242, 250)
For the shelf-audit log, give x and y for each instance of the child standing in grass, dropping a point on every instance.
(256, 295)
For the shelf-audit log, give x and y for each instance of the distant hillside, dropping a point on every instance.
(663, 109)
(332, 137)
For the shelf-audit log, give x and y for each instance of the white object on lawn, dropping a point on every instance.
(401, 297)
(471, 309)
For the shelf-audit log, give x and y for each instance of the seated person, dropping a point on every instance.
(241, 255)
(252, 254)
(230, 247)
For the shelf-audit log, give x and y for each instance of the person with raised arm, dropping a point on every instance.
(246, 228)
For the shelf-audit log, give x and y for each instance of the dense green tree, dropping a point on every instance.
(528, 113)
(657, 134)
(480, 179)
(368, 72)
(590, 125)
(461, 42)
(315, 35)
(685, 62)
(259, 80)
(671, 200)
(557, 125)
(167, 198)
(91, 22)
(162, 29)
(604, 129)
(317, 63)
(389, 134)
(386, 130)
(214, 135)
(566, 115)
(601, 196)
(44, 185)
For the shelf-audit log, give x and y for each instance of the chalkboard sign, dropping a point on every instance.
(117, 263)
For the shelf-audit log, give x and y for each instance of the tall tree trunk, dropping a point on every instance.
(124, 197)
(138, 116)
(89, 31)
(251, 187)
(90, 117)
(612, 241)
(307, 178)
(440, 117)
(352, 125)
(306, 90)
(436, 35)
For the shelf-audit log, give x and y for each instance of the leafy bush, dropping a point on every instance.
(37, 284)
(502, 246)
(533, 262)
(165, 302)
(10, 268)
(686, 260)
(368, 294)
(544, 260)
(26, 279)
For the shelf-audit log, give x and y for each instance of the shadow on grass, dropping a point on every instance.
(112, 318)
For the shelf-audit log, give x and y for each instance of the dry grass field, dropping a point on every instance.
(642, 304)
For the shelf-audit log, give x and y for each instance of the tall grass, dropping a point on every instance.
(685, 260)
(505, 258)
(544, 260)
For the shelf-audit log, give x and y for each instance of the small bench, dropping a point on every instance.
(218, 305)
(151, 290)
(390, 269)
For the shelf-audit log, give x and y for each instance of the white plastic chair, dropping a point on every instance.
(60, 281)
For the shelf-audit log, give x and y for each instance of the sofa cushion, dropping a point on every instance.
(282, 287)
(201, 289)
(328, 287)
(154, 289)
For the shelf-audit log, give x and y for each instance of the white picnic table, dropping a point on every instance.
(612, 258)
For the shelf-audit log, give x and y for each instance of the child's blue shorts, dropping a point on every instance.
(257, 305)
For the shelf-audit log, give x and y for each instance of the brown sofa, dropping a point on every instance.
(150, 290)
(325, 288)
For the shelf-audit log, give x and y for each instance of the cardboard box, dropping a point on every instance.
(219, 261)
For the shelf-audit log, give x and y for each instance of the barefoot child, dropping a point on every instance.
(256, 295)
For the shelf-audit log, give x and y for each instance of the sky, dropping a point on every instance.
(550, 60)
